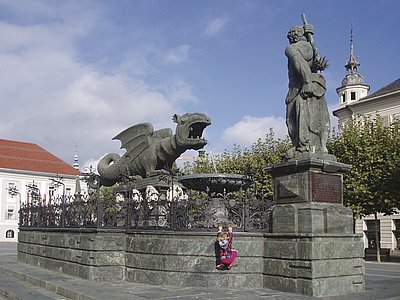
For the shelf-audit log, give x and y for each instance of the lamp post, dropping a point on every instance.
(92, 179)
(34, 192)
(55, 183)
(13, 191)
(33, 208)
(93, 183)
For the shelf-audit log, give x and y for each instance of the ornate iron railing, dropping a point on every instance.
(152, 211)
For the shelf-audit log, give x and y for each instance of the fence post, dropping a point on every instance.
(128, 210)
(99, 210)
(63, 212)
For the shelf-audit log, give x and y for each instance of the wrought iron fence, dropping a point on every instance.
(151, 211)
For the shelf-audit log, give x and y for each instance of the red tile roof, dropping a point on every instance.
(30, 157)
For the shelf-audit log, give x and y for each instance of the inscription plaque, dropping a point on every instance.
(326, 188)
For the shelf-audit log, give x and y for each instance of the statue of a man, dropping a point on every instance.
(307, 116)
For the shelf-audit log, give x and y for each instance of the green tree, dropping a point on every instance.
(373, 150)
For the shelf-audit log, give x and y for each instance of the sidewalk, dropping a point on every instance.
(394, 257)
(21, 281)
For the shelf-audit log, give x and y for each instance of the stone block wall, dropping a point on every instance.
(97, 256)
(315, 265)
(315, 218)
(158, 257)
(188, 259)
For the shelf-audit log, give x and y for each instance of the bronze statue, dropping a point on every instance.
(307, 116)
(149, 152)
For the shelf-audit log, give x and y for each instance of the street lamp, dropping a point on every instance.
(92, 180)
(55, 183)
(34, 192)
(13, 191)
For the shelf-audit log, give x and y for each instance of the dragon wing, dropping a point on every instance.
(163, 133)
(136, 139)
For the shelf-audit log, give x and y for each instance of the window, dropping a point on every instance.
(396, 232)
(10, 213)
(344, 98)
(396, 224)
(353, 95)
(370, 233)
(10, 234)
(396, 118)
(51, 191)
(12, 189)
(371, 225)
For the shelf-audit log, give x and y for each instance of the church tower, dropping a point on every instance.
(76, 162)
(353, 87)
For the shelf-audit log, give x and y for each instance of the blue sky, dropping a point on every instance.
(76, 73)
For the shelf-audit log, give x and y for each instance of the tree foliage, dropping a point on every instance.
(373, 150)
(247, 161)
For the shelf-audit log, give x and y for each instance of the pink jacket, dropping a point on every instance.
(226, 252)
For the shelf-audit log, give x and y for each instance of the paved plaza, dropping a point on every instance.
(21, 281)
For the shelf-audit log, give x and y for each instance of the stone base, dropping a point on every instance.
(312, 249)
(308, 180)
(188, 259)
(97, 256)
(314, 218)
(157, 257)
(318, 265)
(323, 265)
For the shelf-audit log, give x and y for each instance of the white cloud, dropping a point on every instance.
(178, 55)
(249, 129)
(145, 60)
(215, 26)
(52, 99)
(178, 91)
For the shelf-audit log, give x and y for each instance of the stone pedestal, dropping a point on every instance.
(312, 249)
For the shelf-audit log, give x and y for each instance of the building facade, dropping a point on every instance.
(385, 103)
(29, 173)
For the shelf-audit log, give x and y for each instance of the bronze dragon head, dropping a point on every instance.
(189, 131)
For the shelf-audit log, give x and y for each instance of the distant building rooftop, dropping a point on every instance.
(391, 87)
(31, 157)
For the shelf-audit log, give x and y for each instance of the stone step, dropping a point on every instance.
(26, 282)
(13, 288)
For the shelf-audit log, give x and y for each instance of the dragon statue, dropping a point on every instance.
(148, 152)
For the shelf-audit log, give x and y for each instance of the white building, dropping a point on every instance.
(354, 100)
(30, 173)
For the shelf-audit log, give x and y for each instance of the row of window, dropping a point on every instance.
(370, 232)
(13, 186)
(11, 209)
(371, 224)
(352, 96)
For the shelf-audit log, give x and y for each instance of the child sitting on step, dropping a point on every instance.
(226, 256)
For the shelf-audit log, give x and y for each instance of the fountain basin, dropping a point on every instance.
(215, 182)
